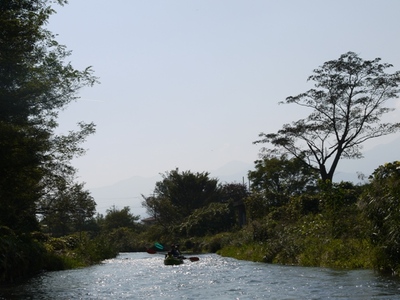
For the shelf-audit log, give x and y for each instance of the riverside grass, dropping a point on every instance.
(336, 254)
(25, 255)
(252, 252)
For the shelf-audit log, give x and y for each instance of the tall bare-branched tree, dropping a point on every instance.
(347, 104)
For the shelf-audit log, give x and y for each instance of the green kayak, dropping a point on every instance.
(172, 261)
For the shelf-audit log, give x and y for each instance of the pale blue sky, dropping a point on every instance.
(191, 84)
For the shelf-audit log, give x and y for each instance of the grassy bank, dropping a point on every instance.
(28, 254)
(338, 254)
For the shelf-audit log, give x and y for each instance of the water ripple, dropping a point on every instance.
(144, 276)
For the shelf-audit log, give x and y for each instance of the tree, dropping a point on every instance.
(35, 84)
(179, 194)
(69, 211)
(211, 219)
(119, 218)
(338, 205)
(348, 104)
(233, 192)
(279, 178)
(381, 204)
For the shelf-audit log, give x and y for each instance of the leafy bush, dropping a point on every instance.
(380, 203)
(21, 256)
(211, 219)
(337, 253)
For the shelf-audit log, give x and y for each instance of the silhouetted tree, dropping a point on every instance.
(279, 178)
(35, 84)
(348, 104)
(69, 211)
(179, 194)
(118, 218)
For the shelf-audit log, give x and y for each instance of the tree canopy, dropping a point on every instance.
(179, 194)
(279, 178)
(348, 103)
(35, 84)
(117, 218)
(68, 211)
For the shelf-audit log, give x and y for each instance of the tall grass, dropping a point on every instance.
(24, 255)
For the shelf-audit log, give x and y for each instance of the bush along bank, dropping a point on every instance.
(25, 255)
(308, 241)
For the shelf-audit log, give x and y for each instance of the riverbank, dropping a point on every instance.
(336, 254)
(28, 254)
(288, 248)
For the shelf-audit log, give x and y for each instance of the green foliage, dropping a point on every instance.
(256, 206)
(35, 83)
(305, 242)
(338, 195)
(278, 182)
(178, 195)
(77, 250)
(124, 239)
(279, 178)
(322, 228)
(252, 252)
(20, 257)
(381, 204)
(24, 255)
(37, 178)
(337, 253)
(70, 210)
(94, 250)
(210, 219)
(306, 203)
(158, 233)
(118, 218)
(233, 192)
(121, 229)
(216, 242)
(338, 206)
(347, 106)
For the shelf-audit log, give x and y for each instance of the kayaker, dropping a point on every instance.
(178, 252)
(175, 252)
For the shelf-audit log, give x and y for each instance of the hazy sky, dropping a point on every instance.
(191, 84)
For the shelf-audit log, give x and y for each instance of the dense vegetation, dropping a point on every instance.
(292, 212)
(37, 180)
(339, 225)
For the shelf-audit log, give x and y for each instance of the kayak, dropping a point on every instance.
(170, 261)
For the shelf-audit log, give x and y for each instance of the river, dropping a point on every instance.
(144, 276)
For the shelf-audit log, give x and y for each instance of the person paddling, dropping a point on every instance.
(178, 253)
(174, 251)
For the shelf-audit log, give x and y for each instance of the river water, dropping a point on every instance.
(144, 276)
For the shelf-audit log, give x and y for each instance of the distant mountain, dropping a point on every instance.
(124, 193)
(128, 192)
(234, 171)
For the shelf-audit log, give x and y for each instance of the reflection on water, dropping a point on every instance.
(144, 276)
